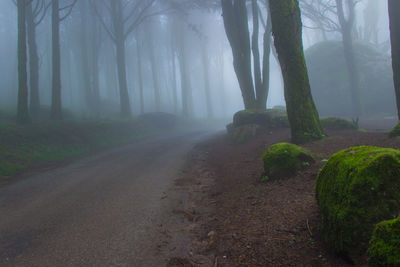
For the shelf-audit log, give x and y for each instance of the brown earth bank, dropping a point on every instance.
(239, 221)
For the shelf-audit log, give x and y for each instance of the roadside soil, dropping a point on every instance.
(239, 221)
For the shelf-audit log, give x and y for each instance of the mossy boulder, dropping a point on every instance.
(395, 131)
(384, 247)
(285, 160)
(332, 123)
(356, 189)
(244, 133)
(272, 118)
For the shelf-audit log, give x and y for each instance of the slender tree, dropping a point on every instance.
(56, 105)
(347, 25)
(394, 19)
(140, 74)
(287, 31)
(207, 88)
(35, 13)
(125, 16)
(22, 109)
(154, 66)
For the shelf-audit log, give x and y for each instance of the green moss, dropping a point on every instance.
(395, 131)
(357, 188)
(384, 247)
(337, 123)
(287, 31)
(271, 118)
(284, 159)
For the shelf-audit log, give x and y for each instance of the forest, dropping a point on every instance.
(199, 132)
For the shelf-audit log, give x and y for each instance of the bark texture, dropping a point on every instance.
(287, 30)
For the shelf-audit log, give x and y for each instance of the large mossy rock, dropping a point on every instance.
(330, 84)
(356, 189)
(285, 160)
(272, 118)
(333, 123)
(384, 247)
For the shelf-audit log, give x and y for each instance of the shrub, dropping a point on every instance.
(337, 123)
(357, 188)
(384, 247)
(284, 159)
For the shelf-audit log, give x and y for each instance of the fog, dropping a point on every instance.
(174, 54)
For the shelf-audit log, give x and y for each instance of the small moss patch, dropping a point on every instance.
(284, 160)
(337, 124)
(395, 131)
(384, 247)
(356, 189)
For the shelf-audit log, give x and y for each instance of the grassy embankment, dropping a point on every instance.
(24, 147)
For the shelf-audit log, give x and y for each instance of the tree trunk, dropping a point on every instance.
(354, 77)
(22, 109)
(118, 22)
(140, 75)
(153, 64)
(206, 67)
(123, 86)
(33, 61)
(263, 94)
(174, 83)
(85, 57)
(96, 45)
(237, 31)
(287, 30)
(186, 88)
(56, 112)
(256, 56)
(394, 10)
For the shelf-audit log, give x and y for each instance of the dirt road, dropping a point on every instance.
(113, 208)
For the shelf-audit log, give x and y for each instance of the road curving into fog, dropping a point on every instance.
(102, 210)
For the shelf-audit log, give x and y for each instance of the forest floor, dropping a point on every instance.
(239, 221)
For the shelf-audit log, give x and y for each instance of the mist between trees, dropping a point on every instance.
(103, 58)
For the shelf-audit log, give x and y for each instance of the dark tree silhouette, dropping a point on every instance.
(22, 108)
(35, 13)
(394, 19)
(56, 105)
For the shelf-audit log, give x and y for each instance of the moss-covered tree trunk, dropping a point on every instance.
(394, 18)
(237, 31)
(287, 30)
(22, 108)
